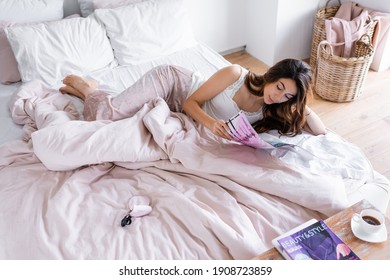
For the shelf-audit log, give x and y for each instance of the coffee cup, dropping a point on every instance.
(369, 220)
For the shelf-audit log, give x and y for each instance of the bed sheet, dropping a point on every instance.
(199, 210)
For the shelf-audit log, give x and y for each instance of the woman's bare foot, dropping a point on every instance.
(81, 87)
(72, 91)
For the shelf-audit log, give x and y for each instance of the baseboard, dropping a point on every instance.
(242, 48)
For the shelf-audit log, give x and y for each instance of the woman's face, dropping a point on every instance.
(280, 91)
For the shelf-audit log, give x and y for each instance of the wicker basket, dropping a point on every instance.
(319, 33)
(363, 46)
(341, 79)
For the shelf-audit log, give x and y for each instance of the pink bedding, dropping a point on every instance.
(65, 188)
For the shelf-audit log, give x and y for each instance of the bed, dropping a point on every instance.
(66, 184)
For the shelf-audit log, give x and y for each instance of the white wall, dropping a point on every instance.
(280, 29)
(379, 5)
(294, 28)
(218, 23)
(261, 33)
(270, 29)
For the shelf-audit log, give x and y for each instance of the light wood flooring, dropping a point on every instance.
(364, 122)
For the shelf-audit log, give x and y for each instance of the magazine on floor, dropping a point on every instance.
(242, 131)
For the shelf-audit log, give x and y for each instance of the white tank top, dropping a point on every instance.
(223, 106)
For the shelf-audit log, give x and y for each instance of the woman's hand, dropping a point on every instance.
(313, 122)
(216, 84)
(220, 128)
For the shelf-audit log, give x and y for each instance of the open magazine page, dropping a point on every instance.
(275, 141)
(242, 131)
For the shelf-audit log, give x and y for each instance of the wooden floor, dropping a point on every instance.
(364, 122)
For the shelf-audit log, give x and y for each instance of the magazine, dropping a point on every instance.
(313, 240)
(242, 131)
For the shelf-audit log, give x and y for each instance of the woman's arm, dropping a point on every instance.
(313, 122)
(211, 88)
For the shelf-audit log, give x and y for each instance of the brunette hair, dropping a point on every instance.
(287, 117)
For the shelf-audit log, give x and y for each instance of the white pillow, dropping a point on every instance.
(9, 72)
(146, 30)
(31, 10)
(88, 6)
(22, 12)
(50, 51)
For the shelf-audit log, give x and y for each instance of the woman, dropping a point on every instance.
(275, 100)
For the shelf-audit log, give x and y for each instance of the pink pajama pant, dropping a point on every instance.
(172, 83)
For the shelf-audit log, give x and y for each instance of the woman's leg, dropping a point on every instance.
(96, 103)
(171, 83)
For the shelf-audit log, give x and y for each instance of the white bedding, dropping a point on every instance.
(9, 130)
(209, 200)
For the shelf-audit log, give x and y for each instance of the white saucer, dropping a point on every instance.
(378, 237)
